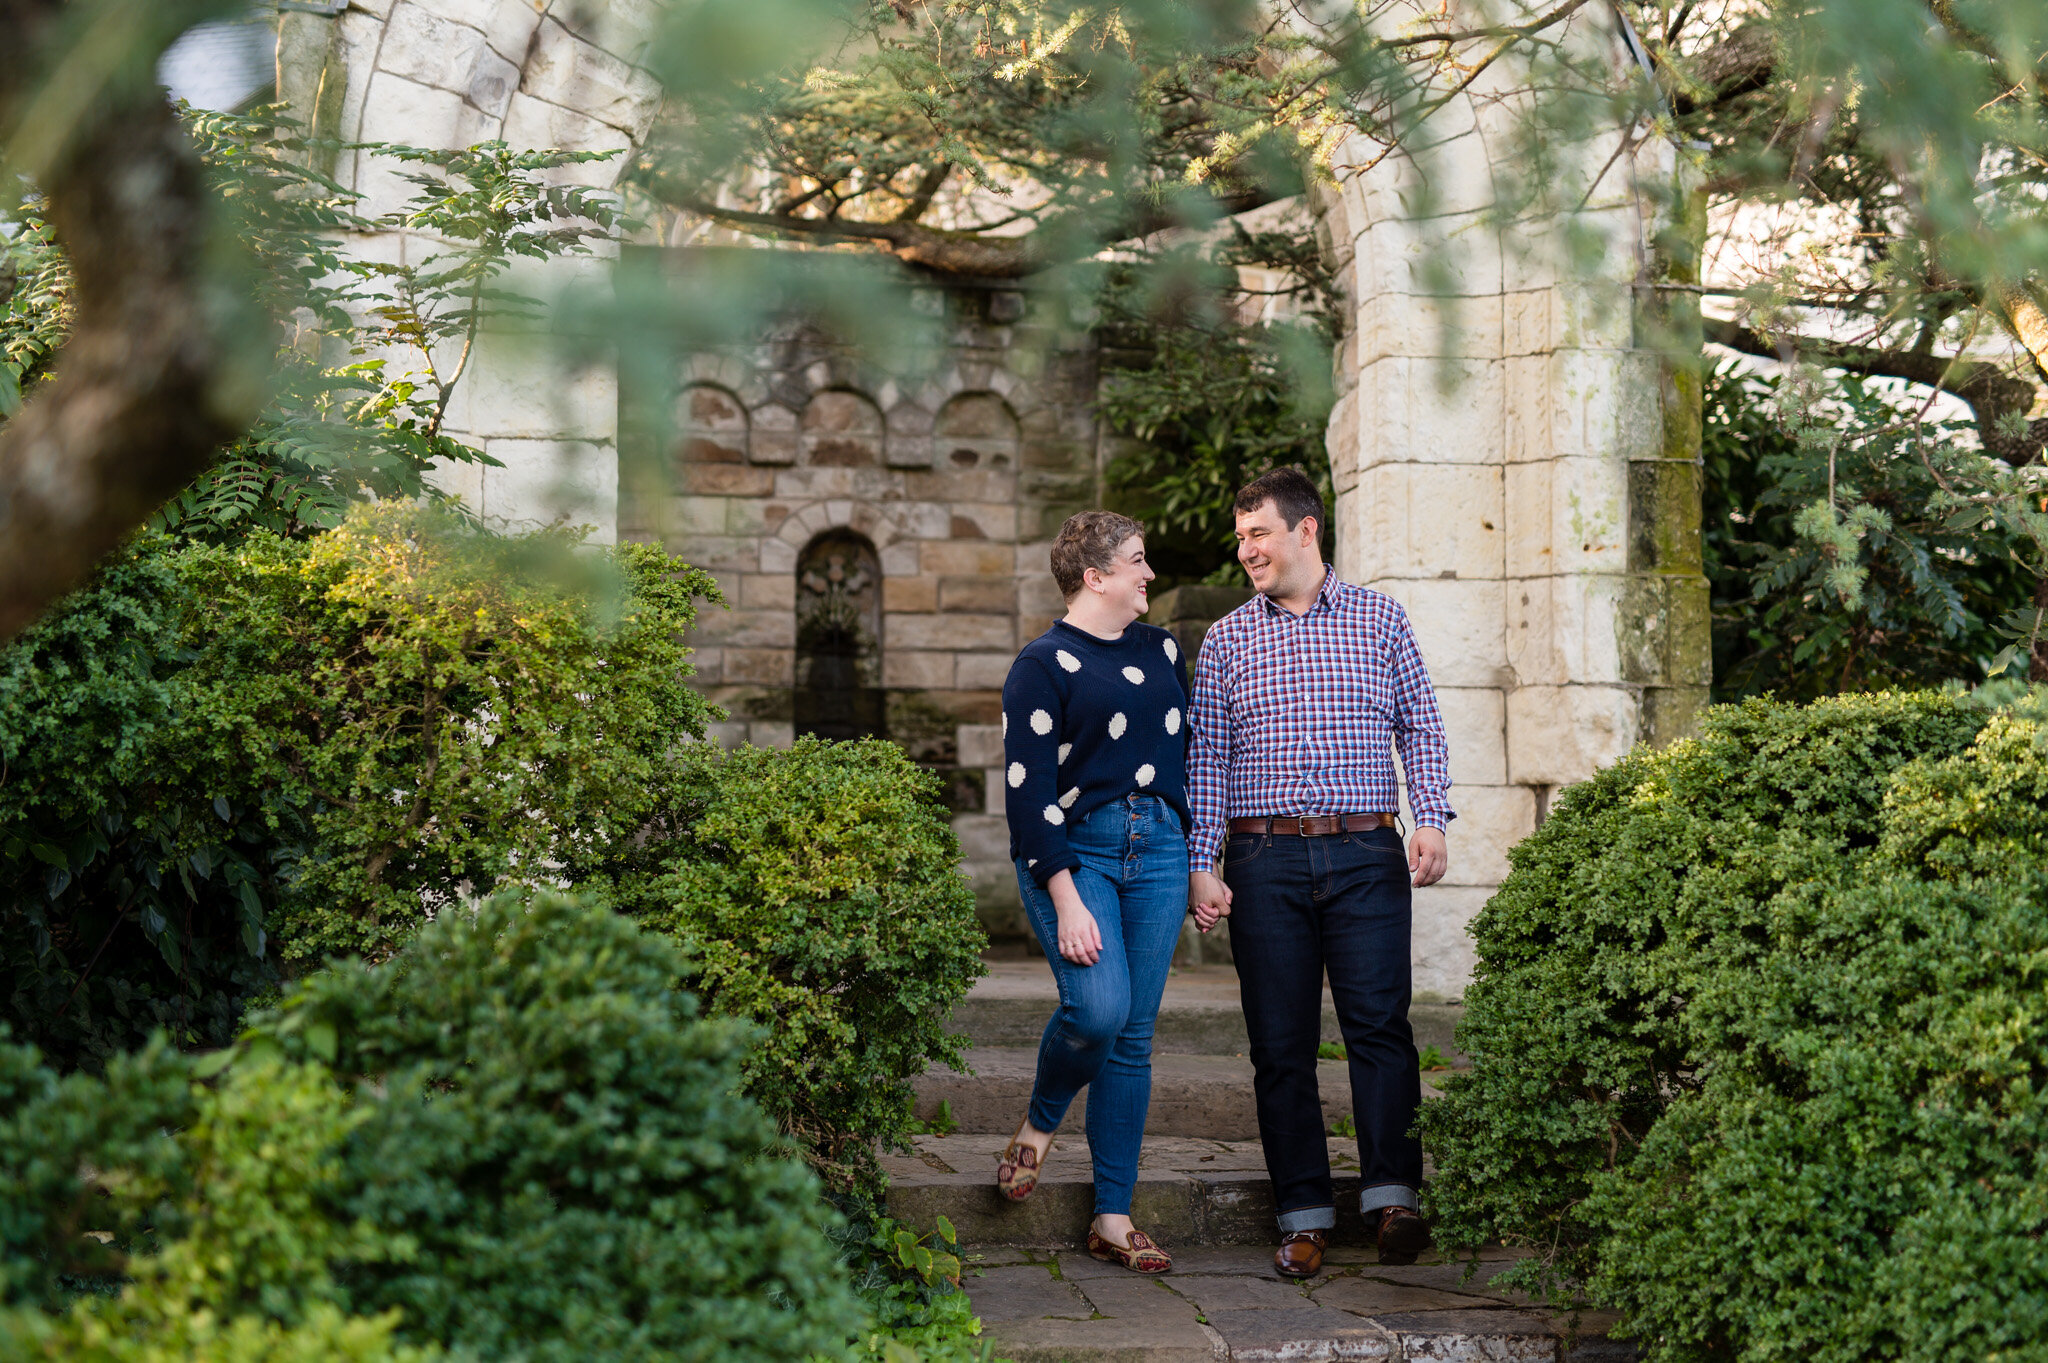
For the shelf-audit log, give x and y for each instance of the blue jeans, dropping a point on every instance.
(1300, 906)
(1134, 878)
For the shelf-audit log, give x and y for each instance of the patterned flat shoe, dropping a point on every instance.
(1017, 1174)
(1140, 1256)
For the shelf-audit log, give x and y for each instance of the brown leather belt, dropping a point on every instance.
(1312, 825)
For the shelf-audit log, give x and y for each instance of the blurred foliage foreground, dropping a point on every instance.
(517, 1140)
(1758, 1038)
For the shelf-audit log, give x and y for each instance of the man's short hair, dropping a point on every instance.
(1089, 539)
(1290, 491)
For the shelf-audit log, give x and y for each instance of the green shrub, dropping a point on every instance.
(219, 757)
(818, 894)
(1758, 1039)
(562, 1148)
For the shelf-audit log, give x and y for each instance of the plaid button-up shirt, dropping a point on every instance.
(1300, 714)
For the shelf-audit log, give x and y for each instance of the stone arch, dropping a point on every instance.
(712, 426)
(841, 428)
(976, 430)
(838, 675)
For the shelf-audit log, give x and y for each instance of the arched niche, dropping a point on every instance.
(975, 431)
(842, 429)
(711, 426)
(839, 638)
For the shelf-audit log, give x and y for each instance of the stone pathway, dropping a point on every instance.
(1225, 1302)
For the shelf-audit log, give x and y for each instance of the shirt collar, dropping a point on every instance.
(1326, 597)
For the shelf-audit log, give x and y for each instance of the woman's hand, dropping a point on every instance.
(1080, 940)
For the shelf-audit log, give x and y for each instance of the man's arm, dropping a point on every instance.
(1425, 755)
(1208, 785)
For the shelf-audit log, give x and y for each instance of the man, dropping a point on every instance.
(1300, 697)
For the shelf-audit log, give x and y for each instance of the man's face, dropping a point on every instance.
(1277, 559)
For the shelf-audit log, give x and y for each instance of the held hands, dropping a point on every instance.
(1208, 899)
(1080, 940)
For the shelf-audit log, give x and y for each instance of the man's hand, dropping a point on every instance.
(1209, 897)
(1428, 858)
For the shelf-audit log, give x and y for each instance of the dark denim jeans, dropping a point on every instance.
(1301, 906)
(1134, 879)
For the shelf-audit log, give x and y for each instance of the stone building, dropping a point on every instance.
(1513, 460)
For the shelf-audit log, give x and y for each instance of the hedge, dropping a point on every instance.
(1758, 1039)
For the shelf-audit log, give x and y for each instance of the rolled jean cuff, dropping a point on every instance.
(1308, 1218)
(1388, 1195)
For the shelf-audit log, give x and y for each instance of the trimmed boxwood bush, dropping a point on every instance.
(818, 894)
(1760, 1039)
(515, 1141)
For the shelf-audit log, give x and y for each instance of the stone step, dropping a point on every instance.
(1192, 1095)
(1191, 1191)
(1227, 1303)
(1200, 1014)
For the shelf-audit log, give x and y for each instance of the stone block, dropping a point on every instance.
(916, 671)
(533, 124)
(772, 733)
(814, 484)
(1604, 402)
(978, 595)
(726, 480)
(981, 745)
(1664, 516)
(396, 109)
(1475, 726)
(518, 387)
(1567, 516)
(1424, 327)
(767, 591)
(447, 55)
(696, 516)
(563, 69)
(759, 667)
(723, 553)
(748, 628)
(915, 594)
(1490, 820)
(726, 733)
(1440, 948)
(710, 665)
(1526, 423)
(949, 631)
(553, 482)
(1664, 630)
(1458, 627)
(1562, 630)
(1525, 322)
(1453, 254)
(1561, 734)
(901, 559)
(982, 520)
(1428, 521)
(965, 558)
(779, 556)
(1433, 411)
(510, 27)
(981, 671)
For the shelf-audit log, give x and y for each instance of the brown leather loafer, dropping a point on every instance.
(1301, 1253)
(1401, 1235)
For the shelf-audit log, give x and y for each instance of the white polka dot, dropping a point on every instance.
(1134, 676)
(1067, 800)
(1065, 748)
(1031, 863)
(1173, 720)
(1006, 724)
(1017, 774)
(1145, 774)
(1172, 649)
(1041, 723)
(1116, 724)
(1068, 660)
(1054, 815)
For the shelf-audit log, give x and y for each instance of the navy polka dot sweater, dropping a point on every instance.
(1087, 721)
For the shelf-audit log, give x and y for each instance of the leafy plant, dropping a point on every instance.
(224, 761)
(912, 1290)
(1837, 563)
(1769, 997)
(818, 893)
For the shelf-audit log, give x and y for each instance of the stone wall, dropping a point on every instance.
(793, 460)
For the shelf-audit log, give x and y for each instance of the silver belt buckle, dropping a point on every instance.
(1301, 825)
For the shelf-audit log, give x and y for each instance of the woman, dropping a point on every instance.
(1096, 768)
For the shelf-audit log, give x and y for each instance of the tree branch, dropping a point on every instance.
(1743, 61)
(136, 407)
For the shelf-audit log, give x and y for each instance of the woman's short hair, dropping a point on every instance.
(1088, 540)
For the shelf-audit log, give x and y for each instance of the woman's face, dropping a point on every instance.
(1123, 587)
